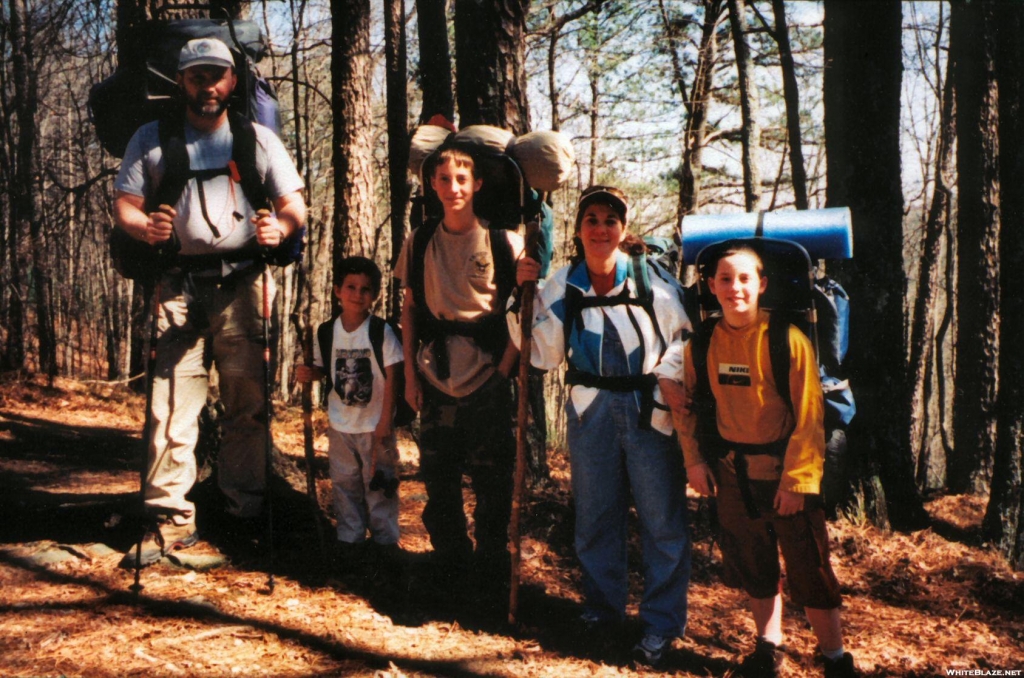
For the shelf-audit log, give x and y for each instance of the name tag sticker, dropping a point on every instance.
(733, 375)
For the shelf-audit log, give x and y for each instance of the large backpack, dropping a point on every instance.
(143, 88)
(504, 163)
(819, 307)
(639, 271)
(404, 414)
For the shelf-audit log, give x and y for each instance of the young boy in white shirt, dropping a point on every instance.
(361, 407)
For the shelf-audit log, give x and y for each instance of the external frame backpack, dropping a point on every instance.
(404, 414)
(638, 270)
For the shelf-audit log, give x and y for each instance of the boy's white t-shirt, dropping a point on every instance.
(355, 403)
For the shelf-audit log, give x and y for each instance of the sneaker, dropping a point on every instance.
(840, 668)
(165, 538)
(763, 662)
(650, 651)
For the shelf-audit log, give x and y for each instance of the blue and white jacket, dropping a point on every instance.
(584, 351)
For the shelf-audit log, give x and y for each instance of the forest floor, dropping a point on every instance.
(917, 604)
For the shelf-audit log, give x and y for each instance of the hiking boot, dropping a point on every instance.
(596, 637)
(763, 662)
(650, 651)
(840, 668)
(165, 538)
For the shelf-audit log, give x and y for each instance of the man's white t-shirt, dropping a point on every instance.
(355, 403)
(227, 207)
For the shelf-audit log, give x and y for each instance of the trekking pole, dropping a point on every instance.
(306, 337)
(136, 587)
(522, 422)
(268, 443)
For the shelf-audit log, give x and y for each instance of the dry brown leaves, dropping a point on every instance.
(915, 604)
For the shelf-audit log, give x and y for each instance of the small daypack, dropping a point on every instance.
(489, 332)
(575, 301)
(404, 414)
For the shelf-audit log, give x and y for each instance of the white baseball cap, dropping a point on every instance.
(205, 52)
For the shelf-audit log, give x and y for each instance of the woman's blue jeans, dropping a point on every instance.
(612, 458)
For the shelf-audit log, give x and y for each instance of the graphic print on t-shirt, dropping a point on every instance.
(480, 266)
(733, 375)
(353, 376)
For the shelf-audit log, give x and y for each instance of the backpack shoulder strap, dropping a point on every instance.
(419, 250)
(504, 265)
(243, 159)
(639, 271)
(377, 340)
(778, 352)
(325, 339)
(703, 397)
(700, 342)
(171, 133)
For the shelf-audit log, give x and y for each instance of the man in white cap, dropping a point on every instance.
(210, 289)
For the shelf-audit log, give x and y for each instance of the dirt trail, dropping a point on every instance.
(916, 604)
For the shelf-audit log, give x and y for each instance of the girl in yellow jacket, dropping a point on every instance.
(765, 467)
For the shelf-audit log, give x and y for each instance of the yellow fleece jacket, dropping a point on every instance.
(750, 409)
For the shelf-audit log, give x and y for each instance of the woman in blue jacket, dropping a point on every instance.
(590, 314)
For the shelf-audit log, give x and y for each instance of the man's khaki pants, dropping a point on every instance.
(220, 322)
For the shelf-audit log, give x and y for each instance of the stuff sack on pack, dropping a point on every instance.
(514, 170)
(144, 87)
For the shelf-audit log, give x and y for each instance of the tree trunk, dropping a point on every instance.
(925, 357)
(1004, 519)
(792, 95)
(972, 47)
(490, 58)
(862, 128)
(26, 185)
(435, 60)
(353, 171)
(750, 107)
(398, 136)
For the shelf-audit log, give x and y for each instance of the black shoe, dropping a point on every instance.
(840, 668)
(763, 662)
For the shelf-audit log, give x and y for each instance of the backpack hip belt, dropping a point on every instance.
(719, 448)
(642, 383)
(490, 333)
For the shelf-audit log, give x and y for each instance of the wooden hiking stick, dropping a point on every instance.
(522, 421)
(306, 337)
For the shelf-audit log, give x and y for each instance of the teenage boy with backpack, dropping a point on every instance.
(458, 273)
(361, 405)
(210, 291)
(764, 461)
